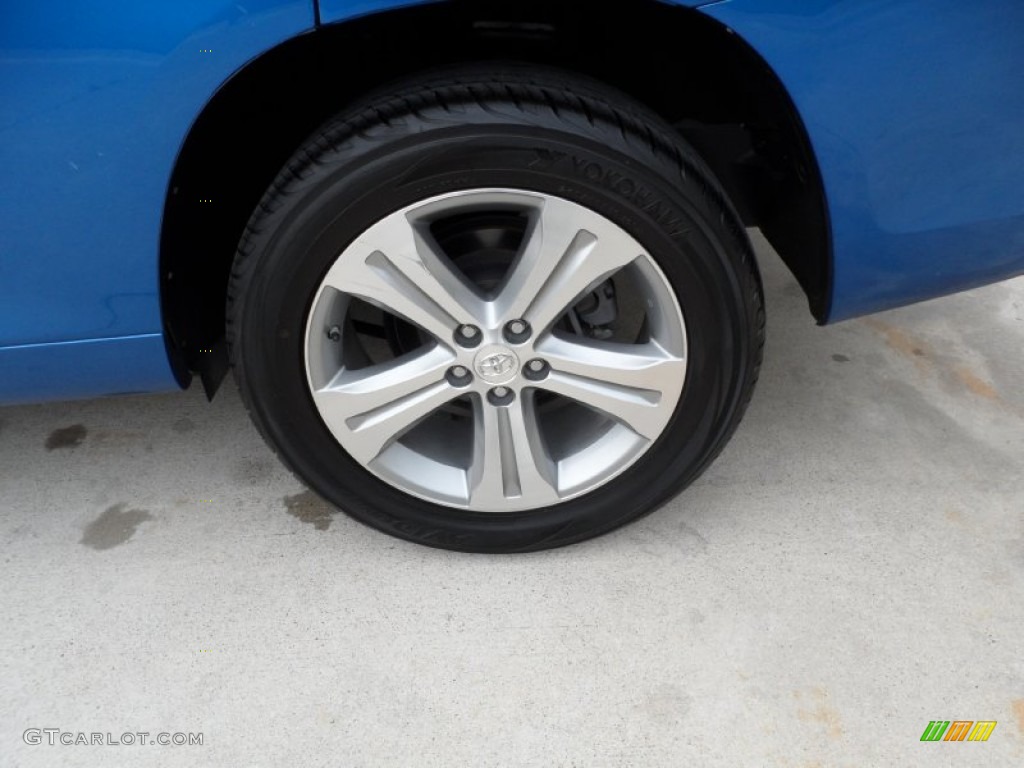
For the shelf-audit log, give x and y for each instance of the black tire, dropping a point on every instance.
(504, 126)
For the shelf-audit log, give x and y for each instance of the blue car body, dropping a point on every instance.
(913, 112)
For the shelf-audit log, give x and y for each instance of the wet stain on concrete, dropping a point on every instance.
(667, 704)
(1017, 707)
(181, 426)
(956, 517)
(255, 472)
(66, 437)
(840, 358)
(976, 385)
(904, 343)
(817, 708)
(926, 361)
(118, 436)
(949, 443)
(696, 537)
(309, 508)
(114, 527)
(1018, 711)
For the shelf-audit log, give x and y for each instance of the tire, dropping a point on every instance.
(344, 317)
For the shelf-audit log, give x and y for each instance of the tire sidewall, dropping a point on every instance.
(335, 202)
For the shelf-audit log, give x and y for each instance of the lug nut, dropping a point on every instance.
(536, 369)
(458, 376)
(517, 331)
(500, 396)
(468, 335)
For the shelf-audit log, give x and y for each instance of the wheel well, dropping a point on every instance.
(690, 69)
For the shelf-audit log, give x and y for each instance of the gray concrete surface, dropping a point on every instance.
(851, 568)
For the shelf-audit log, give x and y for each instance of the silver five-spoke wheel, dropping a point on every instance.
(458, 313)
(495, 349)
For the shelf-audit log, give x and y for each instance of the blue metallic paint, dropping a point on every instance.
(914, 111)
(95, 101)
(32, 373)
(342, 10)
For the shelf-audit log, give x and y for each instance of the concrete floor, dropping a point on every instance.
(851, 568)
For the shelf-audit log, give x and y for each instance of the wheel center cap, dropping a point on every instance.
(496, 364)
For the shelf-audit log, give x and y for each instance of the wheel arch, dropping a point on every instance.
(722, 97)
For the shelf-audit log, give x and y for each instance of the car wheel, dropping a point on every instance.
(496, 309)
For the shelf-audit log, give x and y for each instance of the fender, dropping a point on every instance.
(915, 112)
(330, 11)
(95, 101)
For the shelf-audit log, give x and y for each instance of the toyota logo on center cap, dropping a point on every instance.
(496, 364)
